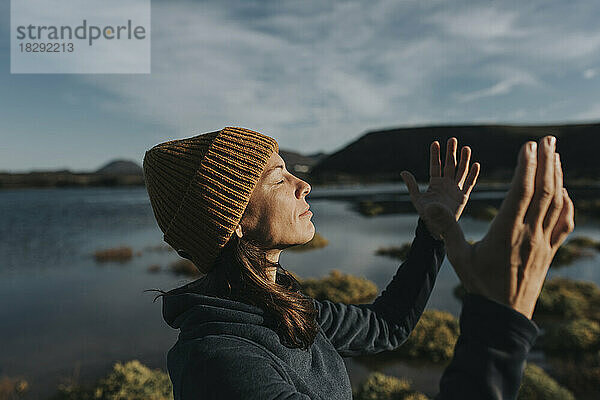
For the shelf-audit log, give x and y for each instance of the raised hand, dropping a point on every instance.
(450, 190)
(510, 263)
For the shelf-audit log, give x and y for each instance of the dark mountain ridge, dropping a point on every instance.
(381, 155)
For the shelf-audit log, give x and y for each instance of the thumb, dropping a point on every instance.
(448, 227)
(411, 184)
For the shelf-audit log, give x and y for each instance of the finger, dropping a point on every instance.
(463, 166)
(566, 222)
(557, 201)
(435, 164)
(411, 184)
(521, 190)
(471, 179)
(544, 183)
(450, 158)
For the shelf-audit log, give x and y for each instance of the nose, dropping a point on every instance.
(304, 189)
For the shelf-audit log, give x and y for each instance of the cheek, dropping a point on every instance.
(279, 215)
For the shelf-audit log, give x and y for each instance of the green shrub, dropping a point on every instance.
(12, 388)
(370, 208)
(131, 381)
(378, 386)
(537, 385)
(342, 288)
(579, 373)
(562, 298)
(576, 336)
(569, 299)
(433, 338)
(574, 249)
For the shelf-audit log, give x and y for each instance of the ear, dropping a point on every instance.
(238, 231)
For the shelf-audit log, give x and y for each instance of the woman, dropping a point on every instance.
(225, 201)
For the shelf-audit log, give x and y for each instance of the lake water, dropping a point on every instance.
(64, 315)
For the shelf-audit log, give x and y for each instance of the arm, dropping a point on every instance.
(490, 353)
(385, 324)
(226, 368)
(389, 320)
(504, 273)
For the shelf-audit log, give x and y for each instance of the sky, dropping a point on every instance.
(315, 75)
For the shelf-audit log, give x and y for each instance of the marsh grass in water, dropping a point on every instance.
(371, 208)
(575, 249)
(12, 388)
(131, 380)
(119, 254)
(587, 209)
(339, 287)
(378, 386)
(154, 268)
(571, 337)
(580, 373)
(538, 385)
(565, 298)
(396, 252)
(433, 338)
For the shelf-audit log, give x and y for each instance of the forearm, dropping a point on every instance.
(405, 297)
(490, 353)
(388, 321)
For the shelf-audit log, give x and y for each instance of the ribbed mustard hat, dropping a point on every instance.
(200, 186)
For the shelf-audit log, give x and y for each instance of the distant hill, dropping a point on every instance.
(118, 167)
(381, 155)
(125, 173)
(300, 165)
(114, 173)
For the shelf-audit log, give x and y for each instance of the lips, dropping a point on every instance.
(305, 211)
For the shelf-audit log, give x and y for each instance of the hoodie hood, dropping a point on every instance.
(186, 308)
(192, 311)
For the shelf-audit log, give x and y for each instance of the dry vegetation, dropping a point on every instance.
(119, 254)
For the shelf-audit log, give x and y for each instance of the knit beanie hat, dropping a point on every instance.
(200, 186)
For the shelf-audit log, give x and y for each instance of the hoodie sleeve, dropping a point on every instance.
(388, 321)
(227, 368)
(490, 353)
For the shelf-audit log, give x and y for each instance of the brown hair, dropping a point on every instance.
(240, 273)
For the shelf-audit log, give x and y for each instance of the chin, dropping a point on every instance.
(311, 235)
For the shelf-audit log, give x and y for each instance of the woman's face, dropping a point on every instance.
(273, 215)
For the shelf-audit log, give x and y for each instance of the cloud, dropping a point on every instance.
(590, 73)
(592, 113)
(319, 75)
(483, 22)
(502, 87)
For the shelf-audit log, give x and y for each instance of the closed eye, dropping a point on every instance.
(280, 182)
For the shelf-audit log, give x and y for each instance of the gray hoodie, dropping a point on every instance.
(227, 349)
